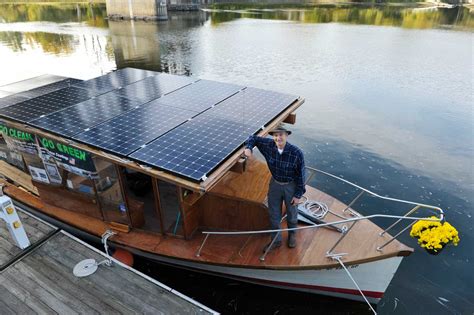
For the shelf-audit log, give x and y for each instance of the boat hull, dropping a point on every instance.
(372, 277)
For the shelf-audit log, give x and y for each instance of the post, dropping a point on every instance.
(10, 216)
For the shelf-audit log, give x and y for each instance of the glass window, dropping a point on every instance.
(79, 184)
(109, 192)
(170, 208)
(141, 200)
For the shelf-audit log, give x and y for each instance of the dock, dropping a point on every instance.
(40, 279)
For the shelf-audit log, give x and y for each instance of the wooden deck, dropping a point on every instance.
(42, 281)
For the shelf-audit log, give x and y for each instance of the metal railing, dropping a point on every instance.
(345, 231)
(356, 218)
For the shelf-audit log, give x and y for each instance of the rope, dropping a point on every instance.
(338, 258)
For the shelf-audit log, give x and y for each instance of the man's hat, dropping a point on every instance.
(279, 129)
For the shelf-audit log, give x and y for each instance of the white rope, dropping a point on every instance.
(355, 283)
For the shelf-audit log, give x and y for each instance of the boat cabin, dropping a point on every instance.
(141, 150)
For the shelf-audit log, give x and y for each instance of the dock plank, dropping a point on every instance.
(14, 305)
(140, 296)
(43, 282)
(35, 229)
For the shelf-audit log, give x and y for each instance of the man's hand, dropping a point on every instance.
(248, 152)
(295, 201)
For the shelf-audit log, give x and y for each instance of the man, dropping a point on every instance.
(286, 164)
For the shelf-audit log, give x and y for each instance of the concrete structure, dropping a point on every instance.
(137, 9)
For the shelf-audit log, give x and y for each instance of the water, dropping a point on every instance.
(388, 106)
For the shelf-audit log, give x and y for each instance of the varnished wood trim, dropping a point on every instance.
(119, 170)
(156, 196)
(239, 166)
(97, 198)
(263, 266)
(290, 119)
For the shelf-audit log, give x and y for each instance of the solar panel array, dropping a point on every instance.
(179, 124)
(154, 87)
(76, 118)
(46, 104)
(114, 80)
(45, 89)
(129, 132)
(197, 147)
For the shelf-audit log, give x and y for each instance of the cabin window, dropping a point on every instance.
(79, 184)
(109, 192)
(170, 208)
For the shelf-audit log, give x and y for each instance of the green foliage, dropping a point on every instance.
(92, 14)
(459, 17)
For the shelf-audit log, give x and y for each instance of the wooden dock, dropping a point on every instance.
(40, 279)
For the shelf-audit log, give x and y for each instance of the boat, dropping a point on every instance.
(154, 161)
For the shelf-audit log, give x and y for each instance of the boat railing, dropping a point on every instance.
(356, 217)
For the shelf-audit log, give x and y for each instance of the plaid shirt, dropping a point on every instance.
(285, 167)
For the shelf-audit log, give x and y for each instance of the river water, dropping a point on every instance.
(389, 106)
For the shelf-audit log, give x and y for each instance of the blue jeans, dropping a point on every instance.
(277, 194)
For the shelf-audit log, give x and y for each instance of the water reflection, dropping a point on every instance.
(92, 14)
(49, 42)
(419, 18)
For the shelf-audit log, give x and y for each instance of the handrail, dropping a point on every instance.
(319, 225)
(375, 194)
(355, 219)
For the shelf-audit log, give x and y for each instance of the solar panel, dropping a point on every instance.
(201, 95)
(48, 88)
(46, 104)
(154, 87)
(252, 106)
(12, 100)
(114, 80)
(75, 119)
(45, 89)
(196, 147)
(128, 132)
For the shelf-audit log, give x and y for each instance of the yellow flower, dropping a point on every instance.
(434, 235)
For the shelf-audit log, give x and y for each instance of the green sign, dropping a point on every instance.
(19, 140)
(72, 159)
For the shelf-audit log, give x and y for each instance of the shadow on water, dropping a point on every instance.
(386, 107)
(234, 297)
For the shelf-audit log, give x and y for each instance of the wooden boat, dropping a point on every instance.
(218, 225)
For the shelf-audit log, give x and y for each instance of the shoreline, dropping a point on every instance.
(261, 6)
